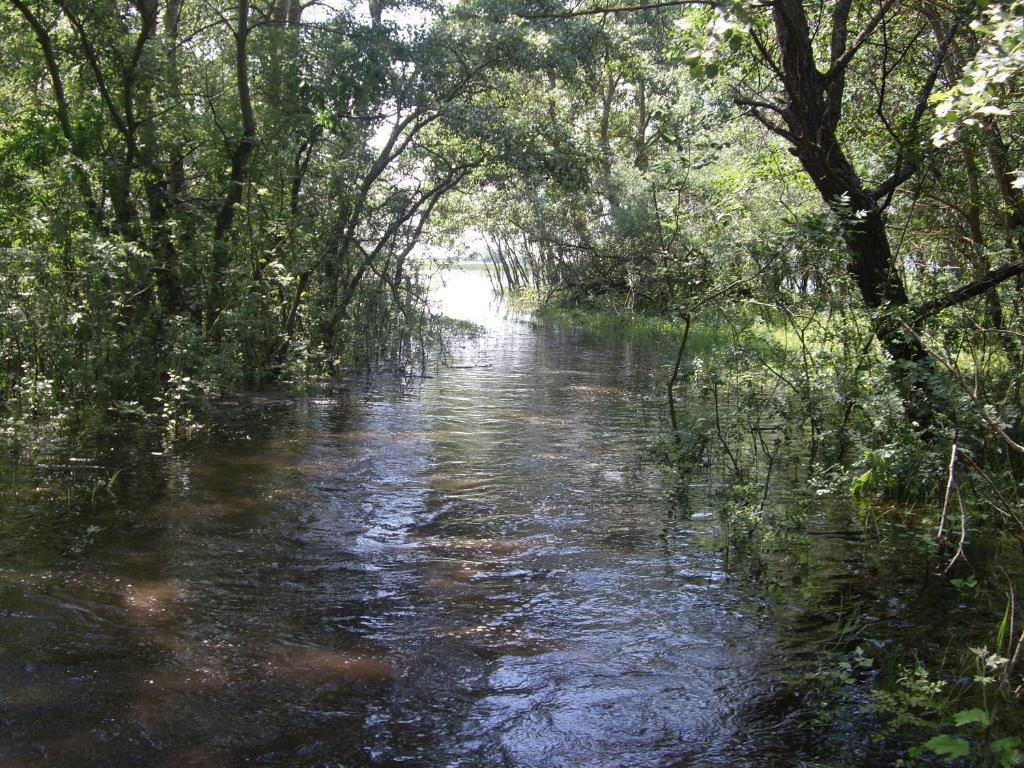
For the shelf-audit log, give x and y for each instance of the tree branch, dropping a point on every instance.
(839, 65)
(755, 108)
(897, 177)
(92, 58)
(904, 170)
(60, 99)
(766, 55)
(611, 9)
(989, 280)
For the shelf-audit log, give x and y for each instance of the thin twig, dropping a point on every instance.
(675, 376)
(950, 482)
(721, 437)
(963, 532)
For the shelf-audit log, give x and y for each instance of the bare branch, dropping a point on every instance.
(766, 55)
(839, 65)
(602, 9)
(989, 280)
(904, 170)
(755, 111)
(895, 179)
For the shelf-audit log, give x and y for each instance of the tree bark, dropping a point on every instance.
(812, 112)
(604, 137)
(61, 103)
(239, 166)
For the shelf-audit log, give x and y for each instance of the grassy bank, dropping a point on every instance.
(609, 320)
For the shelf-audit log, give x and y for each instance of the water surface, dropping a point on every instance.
(479, 568)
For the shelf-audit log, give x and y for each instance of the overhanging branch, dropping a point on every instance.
(887, 187)
(601, 9)
(989, 280)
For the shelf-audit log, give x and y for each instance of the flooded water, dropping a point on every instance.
(473, 569)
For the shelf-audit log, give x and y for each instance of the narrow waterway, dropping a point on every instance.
(473, 569)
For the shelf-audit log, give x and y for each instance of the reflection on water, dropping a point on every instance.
(477, 570)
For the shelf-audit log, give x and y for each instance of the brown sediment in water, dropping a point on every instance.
(430, 435)
(454, 575)
(221, 506)
(195, 758)
(60, 751)
(323, 665)
(152, 599)
(449, 483)
(363, 437)
(563, 371)
(540, 421)
(34, 694)
(222, 461)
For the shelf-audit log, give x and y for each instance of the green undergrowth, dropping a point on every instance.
(784, 416)
(183, 405)
(606, 319)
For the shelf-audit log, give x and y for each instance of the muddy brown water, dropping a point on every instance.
(474, 569)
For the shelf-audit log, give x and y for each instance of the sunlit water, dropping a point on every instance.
(476, 569)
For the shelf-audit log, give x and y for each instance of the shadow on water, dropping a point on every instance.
(475, 570)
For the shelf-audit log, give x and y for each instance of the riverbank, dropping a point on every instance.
(765, 425)
(616, 322)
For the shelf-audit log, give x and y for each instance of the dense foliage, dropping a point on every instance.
(201, 196)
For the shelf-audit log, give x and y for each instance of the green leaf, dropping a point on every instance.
(1004, 627)
(1007, 751)
(970, 716)
(948, 746)
(862, 482)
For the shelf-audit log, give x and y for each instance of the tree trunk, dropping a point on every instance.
(604, 138)
(239, 167)
(643, 119)
(813, 107)
(42, 35)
